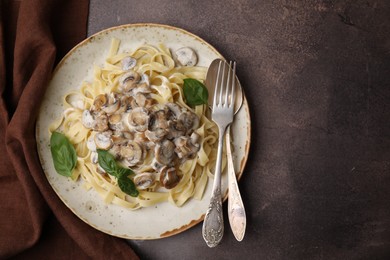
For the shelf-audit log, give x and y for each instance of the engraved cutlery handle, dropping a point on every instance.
(213, 228)
(236, 210)
(213, 223)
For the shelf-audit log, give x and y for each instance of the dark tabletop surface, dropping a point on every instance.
(317, 78)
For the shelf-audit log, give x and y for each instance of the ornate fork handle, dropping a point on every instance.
(213, 228)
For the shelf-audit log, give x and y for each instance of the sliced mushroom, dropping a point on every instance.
(175, 111)
(118, 139)
(103, 140)
(138, 119)
(99, 102)
(156, 135)
(140, 137)
(101, 122)
(87, 119)
(165, 152)
(140, 88)
(122, 136)
(91, 144)
(116, 149)
(168, 177)
(112, 105)
(186, 56)
(128, 63)
(116, 124)
(181, 147)
(115, 119)
(144, 180)
(186, 147)
(131, 76)
(158, 119)
(149, 102)
(128, 135)
(131, 153)
(125, 104)
(157, 126)
(156, 165)
(139, 100)
(94, 157)
(176, 129)
(129, 80)
(149, 145)
(190, 121)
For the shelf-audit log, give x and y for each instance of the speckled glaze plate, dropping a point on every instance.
(155, 222)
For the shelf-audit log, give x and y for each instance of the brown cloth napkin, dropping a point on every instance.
(34, 223)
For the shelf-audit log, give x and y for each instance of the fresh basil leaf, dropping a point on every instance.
(127, 186)
(195, 92)
(63, 154)
(107, 162)
(124, 171)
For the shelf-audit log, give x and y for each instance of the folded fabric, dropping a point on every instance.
(34, 36)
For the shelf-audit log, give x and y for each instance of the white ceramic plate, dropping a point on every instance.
(155, 222)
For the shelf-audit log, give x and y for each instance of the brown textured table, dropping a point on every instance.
(317, 78)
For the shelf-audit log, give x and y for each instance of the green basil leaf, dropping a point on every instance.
(124, 171)
(63, 154)
(195, 92)
(127, 186)
(107, 162)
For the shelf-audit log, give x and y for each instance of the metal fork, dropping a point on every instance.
(222, 115)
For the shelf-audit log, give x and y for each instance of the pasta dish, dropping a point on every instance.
(136, 112)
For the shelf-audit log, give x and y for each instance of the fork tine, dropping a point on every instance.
(227, 90)
(222, 88)
(217, 84)
(233, 90)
